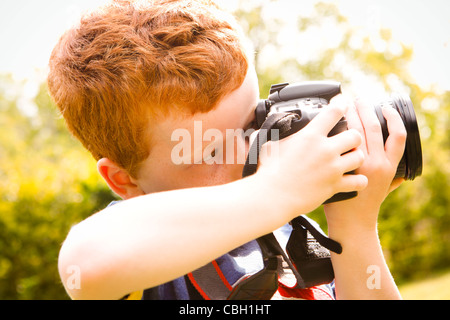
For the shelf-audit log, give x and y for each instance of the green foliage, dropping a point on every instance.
(415, 219)
(47, 184)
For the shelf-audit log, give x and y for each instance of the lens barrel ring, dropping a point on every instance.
(413, 149)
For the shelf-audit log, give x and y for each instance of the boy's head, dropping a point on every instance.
(130, 64)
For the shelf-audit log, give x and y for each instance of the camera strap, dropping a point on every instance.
(280, 122)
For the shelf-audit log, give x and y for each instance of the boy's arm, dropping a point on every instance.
(361, 271)
(152, 239)
(148, 240)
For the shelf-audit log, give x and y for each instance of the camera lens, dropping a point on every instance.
(410, 165)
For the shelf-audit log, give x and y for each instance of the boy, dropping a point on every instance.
(130, 75)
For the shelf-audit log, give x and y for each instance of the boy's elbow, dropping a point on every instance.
(81, 269)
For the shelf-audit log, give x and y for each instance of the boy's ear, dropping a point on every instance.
(118, 179)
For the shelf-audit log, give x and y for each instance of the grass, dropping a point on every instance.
(436, 287)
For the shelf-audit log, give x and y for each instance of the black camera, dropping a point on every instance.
(306, 99)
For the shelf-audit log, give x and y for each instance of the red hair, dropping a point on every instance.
(129, 62)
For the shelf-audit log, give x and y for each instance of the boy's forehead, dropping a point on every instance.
(234, 111)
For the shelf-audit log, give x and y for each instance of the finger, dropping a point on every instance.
(372, 127)
(353, 182)
(395, 143)
(354, 122)
(347, 140)
(329, 116)
(352, 160)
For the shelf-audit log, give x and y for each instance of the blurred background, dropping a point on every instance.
(48, 182)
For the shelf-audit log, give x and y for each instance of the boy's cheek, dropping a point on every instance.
(196, 175)
(213, 174)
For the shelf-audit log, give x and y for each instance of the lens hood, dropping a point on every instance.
(413, 148)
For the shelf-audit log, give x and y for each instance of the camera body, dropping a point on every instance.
(307, 99)
(304, 98)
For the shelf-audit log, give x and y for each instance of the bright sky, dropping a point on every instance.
(30, 28)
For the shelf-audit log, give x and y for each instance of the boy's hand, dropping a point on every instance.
(309, 167)
(353, 222)
(379, 166)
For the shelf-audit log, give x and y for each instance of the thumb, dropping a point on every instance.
(330, 116)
